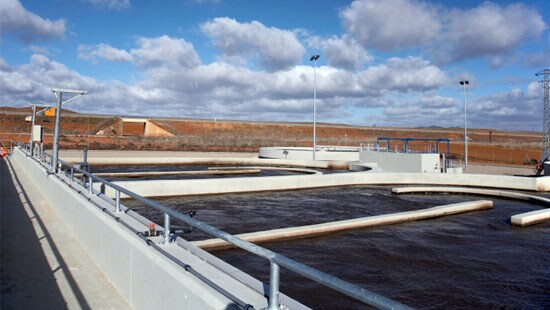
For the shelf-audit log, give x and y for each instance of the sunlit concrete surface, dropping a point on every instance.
(531, 218)
(77, 154)
(523, 219)
(139, 270)
(358, 223)
(43, 265)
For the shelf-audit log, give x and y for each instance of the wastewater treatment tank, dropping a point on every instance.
(471, 260)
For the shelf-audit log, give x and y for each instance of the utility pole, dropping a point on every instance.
(546, 115)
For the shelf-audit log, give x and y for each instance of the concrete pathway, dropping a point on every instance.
(42, 264)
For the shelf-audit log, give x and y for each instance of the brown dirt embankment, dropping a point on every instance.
(80, 130)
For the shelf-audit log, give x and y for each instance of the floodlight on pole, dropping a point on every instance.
(314, 59)
(58, 92)
(464, 83)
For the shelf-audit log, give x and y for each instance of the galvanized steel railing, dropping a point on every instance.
(276, 260)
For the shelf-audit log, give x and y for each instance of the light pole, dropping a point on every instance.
(314, 59)
(59, 95)
(464, 83)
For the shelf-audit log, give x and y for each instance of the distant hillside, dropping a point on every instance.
(101, 132)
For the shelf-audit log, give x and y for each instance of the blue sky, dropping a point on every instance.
(384, 62)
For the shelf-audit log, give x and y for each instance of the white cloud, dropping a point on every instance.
(111, 4)
(391, 24)
(32, 82)
(404, 74)
(165, 50)
(162, 51)
(15, 19)
(103, 51)
(406, 88)
(274, 48)
(4, 66)
(490, 30)
(345, 52)
(512, 109)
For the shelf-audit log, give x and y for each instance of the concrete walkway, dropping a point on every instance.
(42, 264)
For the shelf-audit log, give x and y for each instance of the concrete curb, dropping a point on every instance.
(523, 219)
(332, 227)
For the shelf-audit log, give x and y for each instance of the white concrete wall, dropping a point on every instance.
(160, 188)
(143, 276)
(402, 162)
(304, 153)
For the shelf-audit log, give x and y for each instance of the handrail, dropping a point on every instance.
(275, 259)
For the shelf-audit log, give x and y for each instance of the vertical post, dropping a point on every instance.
(448, 156)
(84, 165)
(464, 83)
(55, 151)
(314, 59)
(91, 185)
(273, 287)
(32, 128)
(465, 132)
(314, 108)
(117, 201)
(166, 228)
(72, 174)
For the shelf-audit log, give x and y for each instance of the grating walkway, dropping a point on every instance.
(42, 264)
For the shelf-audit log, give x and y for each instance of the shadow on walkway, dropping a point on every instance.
(27, 279)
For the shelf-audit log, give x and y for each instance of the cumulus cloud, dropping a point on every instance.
(345, 52)
(32, 82)
(391, 24)
(29, 27)
(4, 66)
(274, 48)
(513, 109)
(165, 50)
(111, 4)
(488, 30)
(491, 29)
(404, 74)
(406, 89)
(103, 51)
(150, 53)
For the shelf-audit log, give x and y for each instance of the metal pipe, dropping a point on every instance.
(166, 228)
(55, 152)
(273, 286)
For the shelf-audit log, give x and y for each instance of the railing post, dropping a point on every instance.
(91, 185)
(72, 174)
(166, 228)
(117, 201)
(273, 287)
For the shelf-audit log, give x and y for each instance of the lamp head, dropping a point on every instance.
(314, 57)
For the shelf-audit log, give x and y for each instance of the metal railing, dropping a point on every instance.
(276, 260)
